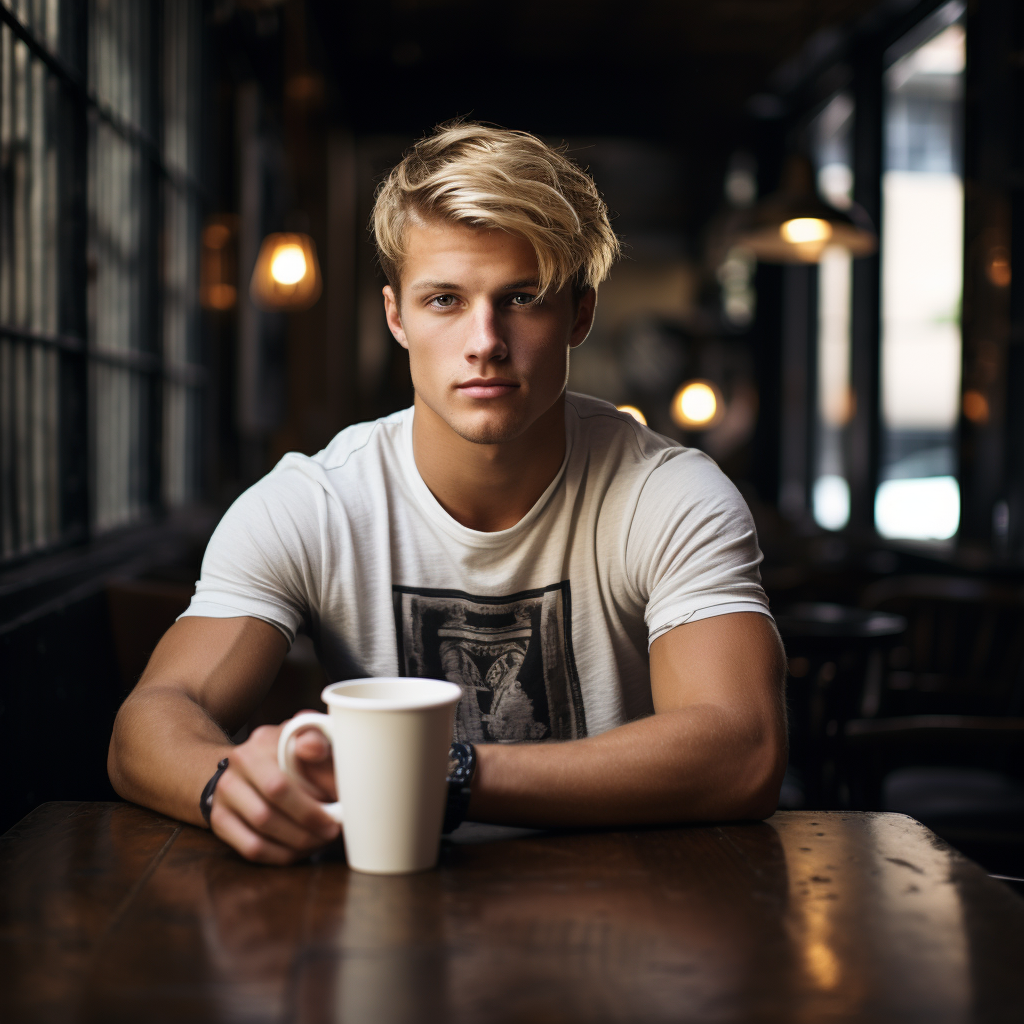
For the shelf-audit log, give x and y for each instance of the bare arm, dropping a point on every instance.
(206, 676)
(714, 749)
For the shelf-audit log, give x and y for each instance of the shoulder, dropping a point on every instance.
(359, 449)
(362, 443)
(300, 486)
(600, 427)
(690, 472)
(641, 457)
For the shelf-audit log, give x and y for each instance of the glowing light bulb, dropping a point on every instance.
(695, 405)
(287, 273)
(632, 410)
(801, 230)
(288, 265)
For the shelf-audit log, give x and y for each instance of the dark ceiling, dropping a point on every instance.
(663, 85)
(656, 68)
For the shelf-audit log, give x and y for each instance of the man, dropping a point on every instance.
(582, 578)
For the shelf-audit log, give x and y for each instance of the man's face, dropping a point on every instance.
(486, 356)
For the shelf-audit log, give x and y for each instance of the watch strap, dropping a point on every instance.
(461, 767)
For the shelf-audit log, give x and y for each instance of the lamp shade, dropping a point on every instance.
(794, 225)
(287, 274)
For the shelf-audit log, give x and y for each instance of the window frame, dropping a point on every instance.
(77, 351)
(857, 64)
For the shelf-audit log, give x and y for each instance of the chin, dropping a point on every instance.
(488, 429)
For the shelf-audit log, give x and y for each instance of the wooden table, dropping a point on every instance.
(110, 913)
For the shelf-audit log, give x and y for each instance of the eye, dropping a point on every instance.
(443, 301)
(523, 299)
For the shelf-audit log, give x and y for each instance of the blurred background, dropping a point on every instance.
(818, 202)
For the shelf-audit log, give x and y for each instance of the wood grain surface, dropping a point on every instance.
(111, 913)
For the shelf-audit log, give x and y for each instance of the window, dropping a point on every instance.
(922, 282)
(100, 376)
(831, 139)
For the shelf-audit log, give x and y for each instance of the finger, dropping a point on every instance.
(250, 844)
(314, 761)
(318, 780)
(285, 795)
(312, 746)
(266, 819)
(256, 759)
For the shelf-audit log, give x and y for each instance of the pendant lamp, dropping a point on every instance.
(795, 225)
(287, 275)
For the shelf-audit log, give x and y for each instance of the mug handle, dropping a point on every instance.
(286, 752)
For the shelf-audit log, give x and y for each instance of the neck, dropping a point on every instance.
(488, 487)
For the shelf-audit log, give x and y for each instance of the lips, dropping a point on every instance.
(487, 387)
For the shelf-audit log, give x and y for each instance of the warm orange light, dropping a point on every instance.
(220, 296)
(287, 274)
(216, 235)
(218, 269)
(632, 410)
(976, 407)
(998, 269)
(801, 230)
(304, 88)
(697, 405)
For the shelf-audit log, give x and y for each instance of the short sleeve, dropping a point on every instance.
(691, 549)
(263, 559)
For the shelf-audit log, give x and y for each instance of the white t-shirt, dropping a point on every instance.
(546, 625)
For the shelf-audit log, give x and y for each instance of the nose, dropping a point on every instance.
(484, 343)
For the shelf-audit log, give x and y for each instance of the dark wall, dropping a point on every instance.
(59, 691)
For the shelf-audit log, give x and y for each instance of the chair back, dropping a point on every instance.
(963, 652)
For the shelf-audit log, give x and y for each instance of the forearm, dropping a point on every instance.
(692, 764)
(163, 750)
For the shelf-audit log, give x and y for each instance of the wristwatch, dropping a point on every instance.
(461, 765)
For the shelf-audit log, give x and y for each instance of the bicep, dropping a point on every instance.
(734, 661)
(224, 665)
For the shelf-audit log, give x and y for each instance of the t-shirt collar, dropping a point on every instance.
(433, 509)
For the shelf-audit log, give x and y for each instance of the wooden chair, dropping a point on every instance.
(829, 649)
(964, 648)
(950, 695)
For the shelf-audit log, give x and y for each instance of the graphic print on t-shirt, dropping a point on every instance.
(512, 656)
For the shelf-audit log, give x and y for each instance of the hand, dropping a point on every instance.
(265, 815)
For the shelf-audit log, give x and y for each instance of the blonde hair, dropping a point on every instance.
(491, 177)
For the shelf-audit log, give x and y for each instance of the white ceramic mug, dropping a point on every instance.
(391, 739)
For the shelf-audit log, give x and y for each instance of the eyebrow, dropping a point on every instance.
(435, 284)
(526, 282)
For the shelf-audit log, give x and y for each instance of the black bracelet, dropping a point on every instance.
(461, 766)
(206, 800)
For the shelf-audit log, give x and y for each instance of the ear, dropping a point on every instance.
(584, 318)
(393, 315)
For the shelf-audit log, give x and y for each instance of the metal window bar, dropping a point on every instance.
(110, 337)
(128, 129)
